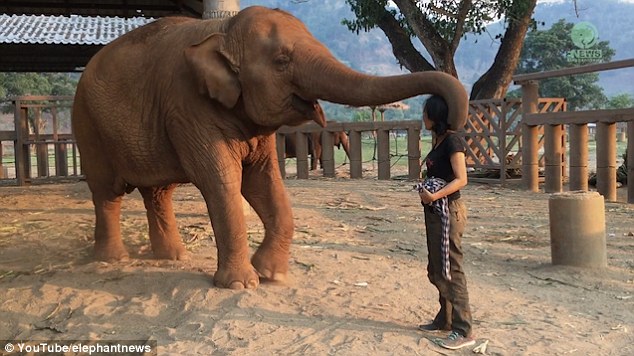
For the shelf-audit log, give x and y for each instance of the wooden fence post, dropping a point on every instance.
(383, 154)
(606, 160)
(578, 157)
(327, 153)
(530, 161)
(280, 143)
(413, 153)
(630, 162)
(22, 156)
(356, 165)
(301, 151)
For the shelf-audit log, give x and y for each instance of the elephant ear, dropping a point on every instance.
(215, 72)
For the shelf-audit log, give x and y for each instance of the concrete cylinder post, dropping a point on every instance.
(530, 159)
(579, 157)
(219, 9)
(606, 160)
(577, 229)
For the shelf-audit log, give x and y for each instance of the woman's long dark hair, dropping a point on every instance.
(437, 111)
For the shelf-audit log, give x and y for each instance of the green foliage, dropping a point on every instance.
(547, 50)
(620, 101)
(17, 84)
(440, 13)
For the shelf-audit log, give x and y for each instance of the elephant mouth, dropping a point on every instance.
(309, 109)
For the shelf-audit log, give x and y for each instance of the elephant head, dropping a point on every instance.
(268, 62)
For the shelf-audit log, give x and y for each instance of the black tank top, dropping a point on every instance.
(438, 161)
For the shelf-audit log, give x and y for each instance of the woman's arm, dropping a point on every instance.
(459, 170)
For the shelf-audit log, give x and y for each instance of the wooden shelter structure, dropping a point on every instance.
(62, 35)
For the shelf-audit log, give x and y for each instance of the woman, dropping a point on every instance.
(446, 175)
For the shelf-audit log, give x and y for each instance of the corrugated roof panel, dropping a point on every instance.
(73, 30)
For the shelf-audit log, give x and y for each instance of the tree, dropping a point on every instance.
(440, 25)
(17, 84)
(621, 101)
(548, 50)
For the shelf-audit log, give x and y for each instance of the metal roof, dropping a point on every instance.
(65, 30)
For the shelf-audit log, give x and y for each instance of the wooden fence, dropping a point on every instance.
(577, 121)
(493, 136)
(354, 130)
(42, 141)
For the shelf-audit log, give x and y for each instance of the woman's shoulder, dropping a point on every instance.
(455, 142)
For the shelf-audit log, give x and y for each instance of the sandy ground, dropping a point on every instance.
(357, 277)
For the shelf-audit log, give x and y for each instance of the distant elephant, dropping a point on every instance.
(340, 139)
(188, 100)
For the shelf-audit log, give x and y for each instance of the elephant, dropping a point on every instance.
(184, 100)
(340, 139)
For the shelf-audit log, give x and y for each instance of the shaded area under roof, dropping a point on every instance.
(66, 42)
(119, 8)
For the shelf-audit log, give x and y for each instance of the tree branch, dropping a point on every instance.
(402, 46)
(435, 44)
(463, 11)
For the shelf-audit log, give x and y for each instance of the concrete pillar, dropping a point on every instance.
(577, 229)
(579, 157)
(530, 158)
(553, 157)
(219, 9)
(606, 160)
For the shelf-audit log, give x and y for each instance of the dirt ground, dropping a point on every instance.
(357, 284)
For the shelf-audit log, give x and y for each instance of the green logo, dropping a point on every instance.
(585, 36)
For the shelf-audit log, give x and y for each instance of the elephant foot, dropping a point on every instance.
(272, 267)
(174, 253)
(243, 278)
(110, 253)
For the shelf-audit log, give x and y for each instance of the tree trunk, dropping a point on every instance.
(494, 83)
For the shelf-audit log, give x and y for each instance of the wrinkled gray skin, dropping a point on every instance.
(188, 100)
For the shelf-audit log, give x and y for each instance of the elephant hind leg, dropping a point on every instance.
(164, 237)
(108, 244)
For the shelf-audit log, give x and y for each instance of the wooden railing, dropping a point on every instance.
(354, 130)
(493, 136)
(578, 124)
(39, 138)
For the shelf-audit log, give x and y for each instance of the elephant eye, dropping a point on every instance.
(282, 61)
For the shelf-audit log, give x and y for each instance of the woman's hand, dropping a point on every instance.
(426, 197)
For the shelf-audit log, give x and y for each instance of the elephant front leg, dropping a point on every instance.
(264, 190)
(164, 237)
(224, 204)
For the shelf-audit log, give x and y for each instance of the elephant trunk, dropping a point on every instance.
(337, 83)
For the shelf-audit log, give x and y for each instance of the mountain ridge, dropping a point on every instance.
(371, 52)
